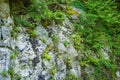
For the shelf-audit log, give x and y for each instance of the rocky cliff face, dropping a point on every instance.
(48, 56)
(41, 58)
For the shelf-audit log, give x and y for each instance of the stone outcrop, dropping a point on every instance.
(48, 56)
(40, 58)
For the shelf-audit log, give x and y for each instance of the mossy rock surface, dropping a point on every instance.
(4, 10)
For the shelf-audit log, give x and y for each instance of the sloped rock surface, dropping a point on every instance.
(26, 58)
(48, 56)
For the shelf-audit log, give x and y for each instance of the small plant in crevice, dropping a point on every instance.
(11, 72)
(4, 73)
(54, 39)
(66, 43)
(52, 71)
(14, 54)
(33, 33)
(46, 56)
(48, 48)
(44, 40)
(59, 16)
(68, 61)
(17, 77)
(77, 40)
(14, 34)
(13, 75)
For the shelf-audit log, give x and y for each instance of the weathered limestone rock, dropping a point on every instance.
(49, 55)
(118, 74)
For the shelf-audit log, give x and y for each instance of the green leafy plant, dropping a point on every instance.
(52, 71)
(46, 56)
(77, 41)
(33, 33)
(54, 38)
(14, 54)
(99, 29)
(84, 63)
(58, 15)
(13, 75)
(17, 77)
(44, 40)
(40, 11)
(66, 43)
(4, 73)
(11, 72)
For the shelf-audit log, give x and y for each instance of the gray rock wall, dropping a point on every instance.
(42, 58)
(48, 56)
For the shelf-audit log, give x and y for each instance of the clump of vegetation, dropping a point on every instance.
(52, 71)
(77, 41)
(55, 38)
(46, 56)
(11, 72)
(39, 12)
(4, 73)
(66, 43)
(99, 29)
(14, 54)
(13, 75)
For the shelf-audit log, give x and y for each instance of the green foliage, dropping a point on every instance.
(14, 54)
(4, 73)
(94, 61)
(17, 77)
(77, 41)
(32, 33)
(40, 11)
(66, 43)
(101, 23)
(48, 14)
(46, 56)
(99, 29)
(44, 40)
(58, 15)
(104, 68)
(52, 71)
(13, 75)
(84, 63)
(77, 4)
(11, 72)
(54, 38)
